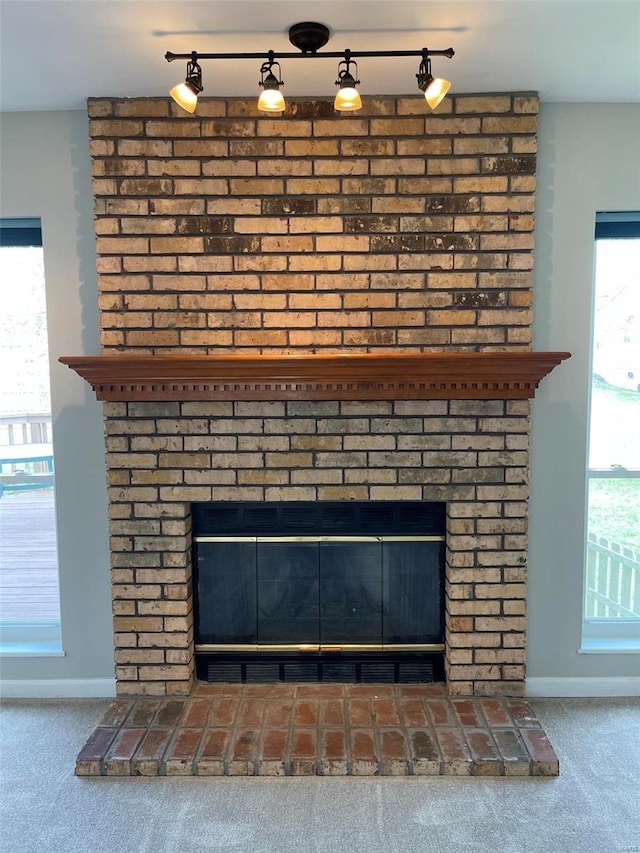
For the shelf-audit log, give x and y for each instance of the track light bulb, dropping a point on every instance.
(186, 94)
(436, 90)
(347, 100)
(185, 97)
(271, 101)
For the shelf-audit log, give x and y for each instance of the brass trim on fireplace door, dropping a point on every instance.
(255, 647)
(260, 539)
(320, 647)
(351, 647)
(440, 538)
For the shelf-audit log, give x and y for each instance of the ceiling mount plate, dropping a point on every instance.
(309, 37)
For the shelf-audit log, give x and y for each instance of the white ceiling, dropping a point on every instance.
(56, 53)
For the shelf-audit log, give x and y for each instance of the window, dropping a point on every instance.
(29, 593)
(612, 587)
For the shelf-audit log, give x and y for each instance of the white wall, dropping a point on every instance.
(588, 161)
(44, 172)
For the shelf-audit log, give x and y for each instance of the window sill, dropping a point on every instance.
(35, 639)
(31, 650)
(610, 646)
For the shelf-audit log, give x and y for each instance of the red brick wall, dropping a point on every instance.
(232, 233)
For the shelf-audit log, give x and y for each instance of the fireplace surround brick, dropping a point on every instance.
(160, 458)
(390, 231)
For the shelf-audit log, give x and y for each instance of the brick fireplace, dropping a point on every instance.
(224, 234)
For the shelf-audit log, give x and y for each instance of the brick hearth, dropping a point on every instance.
(325, 730)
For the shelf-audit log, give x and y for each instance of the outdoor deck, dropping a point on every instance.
(28, 559)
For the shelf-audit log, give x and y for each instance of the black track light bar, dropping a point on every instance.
(333, 54)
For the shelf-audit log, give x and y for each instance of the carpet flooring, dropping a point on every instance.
(592, 807)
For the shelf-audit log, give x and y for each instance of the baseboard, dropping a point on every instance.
(583, 687)
(58, 688)
(105, 688)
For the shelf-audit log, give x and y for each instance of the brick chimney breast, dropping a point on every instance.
(396, 230)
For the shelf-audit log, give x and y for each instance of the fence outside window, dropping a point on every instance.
(613, 580)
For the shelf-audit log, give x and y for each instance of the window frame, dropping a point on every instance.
(42, 637)
(606, 635)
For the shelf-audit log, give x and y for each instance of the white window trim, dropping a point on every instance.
(605, 636)
(37, 638)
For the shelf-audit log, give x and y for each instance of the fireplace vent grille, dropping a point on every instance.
(416, 670)
(379, 518)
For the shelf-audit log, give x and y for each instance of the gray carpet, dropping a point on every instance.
(593, 807)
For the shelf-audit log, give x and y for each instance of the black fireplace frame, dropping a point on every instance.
(323, 522)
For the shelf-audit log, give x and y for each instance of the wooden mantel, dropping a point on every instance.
(334, 376)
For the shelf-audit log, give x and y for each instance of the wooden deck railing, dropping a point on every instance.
(26, 453)
(25, 429)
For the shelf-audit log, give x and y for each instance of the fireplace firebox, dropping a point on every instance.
(319, 591)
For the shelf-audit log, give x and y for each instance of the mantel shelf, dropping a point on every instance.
(333, 376)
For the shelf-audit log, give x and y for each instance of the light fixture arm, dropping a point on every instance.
(345, 77)
(268, 63)
(424, 72)
(267, 68)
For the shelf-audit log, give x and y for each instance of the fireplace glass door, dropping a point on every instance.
(287, 593)
(316, 593)
(411, 579)
(350, 592)
(227, 594)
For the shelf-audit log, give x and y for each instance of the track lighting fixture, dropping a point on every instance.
(309, 37)
(186, 94)
(348, 98)
(271, 100)
(434, 88)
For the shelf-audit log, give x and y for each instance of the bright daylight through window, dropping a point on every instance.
(29, 594)
(612, 589)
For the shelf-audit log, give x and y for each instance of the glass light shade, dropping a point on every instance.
(185, 97)
(271, 101)
(436, 90)
(347, 100)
